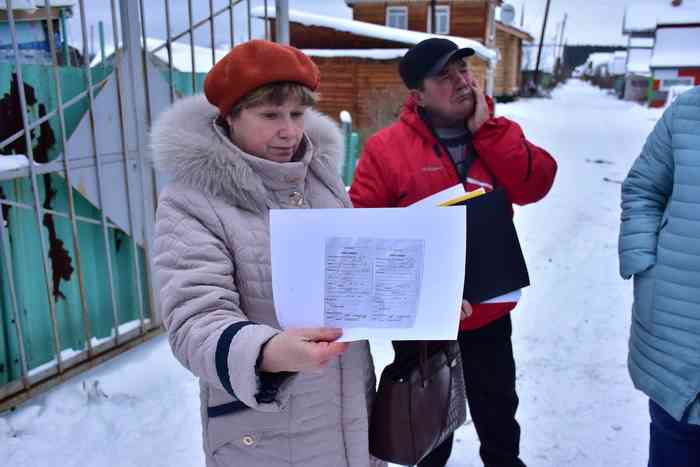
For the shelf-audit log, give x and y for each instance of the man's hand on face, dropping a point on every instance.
(481, 108)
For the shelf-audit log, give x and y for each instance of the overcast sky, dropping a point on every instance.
(589, 21)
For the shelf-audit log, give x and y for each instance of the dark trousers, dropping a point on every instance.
(489, 375)
(672, 443)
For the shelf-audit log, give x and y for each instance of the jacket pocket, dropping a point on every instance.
(248, 430)
(644, 285)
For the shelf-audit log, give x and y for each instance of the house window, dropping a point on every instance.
(397, 17)
(442, 19)
(668, 82)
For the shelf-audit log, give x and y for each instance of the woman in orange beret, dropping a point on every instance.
(252, 143)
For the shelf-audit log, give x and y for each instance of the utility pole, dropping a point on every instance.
(539, 50)
(561, 36)
(522, 15)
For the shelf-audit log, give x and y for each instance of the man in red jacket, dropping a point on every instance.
(446, 135)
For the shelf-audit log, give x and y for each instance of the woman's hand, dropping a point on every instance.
(466, 310)
(305, 349)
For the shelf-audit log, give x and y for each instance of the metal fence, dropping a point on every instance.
(77, 190)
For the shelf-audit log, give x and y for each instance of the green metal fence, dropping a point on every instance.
(75, 286)
(23, 236)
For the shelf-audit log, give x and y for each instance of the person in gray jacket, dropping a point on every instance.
(660, 247)
(268, 397)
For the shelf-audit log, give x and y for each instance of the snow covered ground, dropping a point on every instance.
(578, 408)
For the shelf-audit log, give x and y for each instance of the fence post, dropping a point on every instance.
(354, 148)
(131, 31)
(346, 128)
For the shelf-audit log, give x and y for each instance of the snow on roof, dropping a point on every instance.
(639, 42)
(372, 54)
(638, 61)
(676, 47)
(645, 17)
(182, 60)
(598, 63)
(516, 28)
(361, 28)
(513, 24)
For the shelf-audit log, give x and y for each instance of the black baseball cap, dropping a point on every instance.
(428, 58)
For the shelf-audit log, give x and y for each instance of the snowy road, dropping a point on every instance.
(578, 408)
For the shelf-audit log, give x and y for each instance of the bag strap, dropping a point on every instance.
(423, 362)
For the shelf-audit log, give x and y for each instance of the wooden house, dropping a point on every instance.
(673, 29)
(675, 60)
(472, 19)
(32, 31)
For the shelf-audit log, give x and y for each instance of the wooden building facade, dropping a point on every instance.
(508, 76)
(359, 64)
(369, 88)
(466, 18)
(472, 19)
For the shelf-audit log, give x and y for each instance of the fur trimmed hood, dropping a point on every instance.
(186, 146)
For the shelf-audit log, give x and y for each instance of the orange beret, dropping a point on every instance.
(253, 64)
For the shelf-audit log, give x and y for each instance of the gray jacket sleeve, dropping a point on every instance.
(208, 331)
(645, 193)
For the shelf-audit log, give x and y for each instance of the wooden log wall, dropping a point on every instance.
(371, 90)
(507, 82)
(467, 17)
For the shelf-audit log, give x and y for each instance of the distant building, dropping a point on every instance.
(617, 68)
(674, 28)
(675, 60)
(637, 72)
(33, 35)
(597, 69)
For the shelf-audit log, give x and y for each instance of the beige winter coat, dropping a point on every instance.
(212, 267)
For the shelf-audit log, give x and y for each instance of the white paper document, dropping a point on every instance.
(372, 282)
(376, 273)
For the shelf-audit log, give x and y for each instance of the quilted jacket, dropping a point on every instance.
(212, 267)
(660, 246)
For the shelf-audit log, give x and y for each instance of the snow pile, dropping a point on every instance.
(676, 47)
(598, 64)
(376, 31)
(638, 61)
(645, 17)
